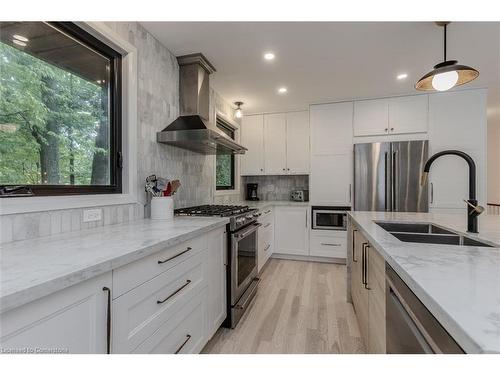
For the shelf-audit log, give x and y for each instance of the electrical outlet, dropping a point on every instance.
(92, 215)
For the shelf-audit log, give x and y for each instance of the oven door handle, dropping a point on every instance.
(246, 233)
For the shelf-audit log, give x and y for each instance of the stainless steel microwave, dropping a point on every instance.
(329, 218)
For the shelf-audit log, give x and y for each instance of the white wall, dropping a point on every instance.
(493, 162)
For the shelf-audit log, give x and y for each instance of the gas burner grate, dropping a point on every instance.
(212, 210)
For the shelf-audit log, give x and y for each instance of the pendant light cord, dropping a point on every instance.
(445, 42)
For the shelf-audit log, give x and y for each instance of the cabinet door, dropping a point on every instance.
(358, 291)
(371, 117)
(331, 128)
(408, 114)
(457, 121)
(72, 320)
(376, 302)
(252, 137)
(291, 228)
(331, 179)
(297, 142)
(216, 277)
(275, 144)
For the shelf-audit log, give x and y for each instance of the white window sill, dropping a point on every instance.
(34, 204)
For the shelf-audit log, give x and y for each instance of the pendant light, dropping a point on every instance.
(446, 74)
(238, 113)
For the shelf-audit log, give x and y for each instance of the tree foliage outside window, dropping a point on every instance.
(54, 123)
(224, 166)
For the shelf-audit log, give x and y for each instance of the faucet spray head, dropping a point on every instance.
(423, 180)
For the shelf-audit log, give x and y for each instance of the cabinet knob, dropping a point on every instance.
(392, 129)
(386, 130)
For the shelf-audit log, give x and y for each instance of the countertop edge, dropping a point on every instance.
(30, 294)
(454, 329)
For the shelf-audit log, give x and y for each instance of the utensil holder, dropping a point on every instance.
(162, 208)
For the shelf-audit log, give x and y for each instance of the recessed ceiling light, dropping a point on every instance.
(20, 37)
(269, 56)
(282, 90)
(402, 76)
(18, 42)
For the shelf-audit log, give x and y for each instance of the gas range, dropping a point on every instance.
(239, 216)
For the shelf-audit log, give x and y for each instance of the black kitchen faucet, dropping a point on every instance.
(473, 209)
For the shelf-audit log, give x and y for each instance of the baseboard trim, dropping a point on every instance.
(308, 258)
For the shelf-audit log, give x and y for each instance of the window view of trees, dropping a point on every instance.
(224, 164)
(54, 124)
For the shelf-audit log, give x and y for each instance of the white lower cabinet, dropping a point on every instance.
(73, 320)
(327, 243)
(265, 238)
(170, 302)
(291, 230)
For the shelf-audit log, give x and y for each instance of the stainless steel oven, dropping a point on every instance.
(329, 217)
(243, 271)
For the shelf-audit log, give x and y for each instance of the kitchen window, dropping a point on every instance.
(225, 164)
(60, 110)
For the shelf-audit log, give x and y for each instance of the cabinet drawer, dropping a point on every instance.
(182, 334)
(140, 312)
(132, 275)
(329, 245)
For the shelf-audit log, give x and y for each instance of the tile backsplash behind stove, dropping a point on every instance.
(275, 188)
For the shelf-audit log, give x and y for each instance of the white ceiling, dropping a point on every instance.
(330, 61)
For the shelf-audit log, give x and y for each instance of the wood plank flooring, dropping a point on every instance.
(300, 307)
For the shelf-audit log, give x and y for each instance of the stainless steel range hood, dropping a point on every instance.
(192, 130)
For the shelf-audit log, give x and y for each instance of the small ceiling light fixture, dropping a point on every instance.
(402, 76)
(446, 74)
(269, 56)
(20, 37)
(282, 90)
(19, 43)
(238, 113)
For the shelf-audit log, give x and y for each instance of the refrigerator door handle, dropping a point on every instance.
(394, 181)
(386, 182)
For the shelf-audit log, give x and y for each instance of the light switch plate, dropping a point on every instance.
(92, 215)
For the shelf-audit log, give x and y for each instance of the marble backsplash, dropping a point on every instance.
(275, 188)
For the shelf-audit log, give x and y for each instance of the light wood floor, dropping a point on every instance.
(300, 307)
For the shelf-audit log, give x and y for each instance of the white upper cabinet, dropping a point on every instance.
(297, 142)
(331, 180)
(408, 114)
(457, 121)
(275, 143)
(331, 128)
(252, 137)
(371, 117)
(331, 154)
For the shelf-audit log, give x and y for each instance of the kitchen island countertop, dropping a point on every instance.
(32, 269)
(460, 285)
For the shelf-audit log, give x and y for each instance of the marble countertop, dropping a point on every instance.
(460, 285)
(32, 269)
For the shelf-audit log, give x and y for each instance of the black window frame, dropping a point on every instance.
(115, 130)
(230, 131)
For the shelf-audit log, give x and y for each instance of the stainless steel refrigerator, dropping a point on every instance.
(387, 176)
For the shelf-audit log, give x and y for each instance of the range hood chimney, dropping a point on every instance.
(193, 130)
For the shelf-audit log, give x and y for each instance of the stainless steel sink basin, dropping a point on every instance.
(413, 228)
(428, 233)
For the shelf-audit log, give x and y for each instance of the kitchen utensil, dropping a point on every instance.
(176, 184)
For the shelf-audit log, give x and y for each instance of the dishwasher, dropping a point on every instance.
(411, 328)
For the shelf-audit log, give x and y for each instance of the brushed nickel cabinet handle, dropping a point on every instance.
(268, 224)
(367, 256)
(353, 246)
(363, 263)
(268, 211)
(183, 344)
(174, 292)
(330, 244)
(267, 247)
(175, 256)
(108, 320)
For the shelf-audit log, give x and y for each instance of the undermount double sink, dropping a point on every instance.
(428, 233)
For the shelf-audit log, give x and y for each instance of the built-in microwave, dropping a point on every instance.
(329, 217)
